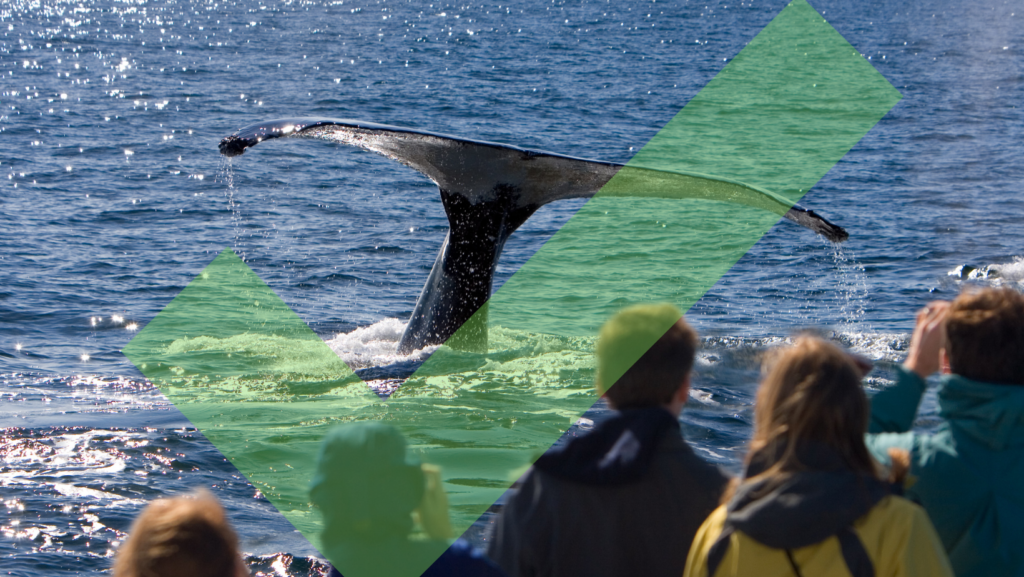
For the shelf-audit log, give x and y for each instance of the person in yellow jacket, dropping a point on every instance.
(812, 501)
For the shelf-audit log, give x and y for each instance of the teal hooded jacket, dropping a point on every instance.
(969, 474)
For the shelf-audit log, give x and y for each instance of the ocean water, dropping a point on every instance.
(114, 197)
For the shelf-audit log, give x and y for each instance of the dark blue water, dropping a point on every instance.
(113, 197)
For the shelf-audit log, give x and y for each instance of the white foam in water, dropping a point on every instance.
(1011, 273)
(71, 454)
(375, 345)
(876, 346)
(69, 490)
(703, 397)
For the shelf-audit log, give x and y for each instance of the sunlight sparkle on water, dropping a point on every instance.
(279, 566)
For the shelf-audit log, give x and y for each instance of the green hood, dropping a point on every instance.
(990, 414)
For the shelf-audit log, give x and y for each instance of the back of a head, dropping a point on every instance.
(364, 485)
(646, 351)
(985, 335)
(180, 537)
(811, 392)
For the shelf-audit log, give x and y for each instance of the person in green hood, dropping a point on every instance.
(369, 493)
(969, 474)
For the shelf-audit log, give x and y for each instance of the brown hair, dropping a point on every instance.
(985, 335)
(647, 352)
(811, 392)
(180, 537)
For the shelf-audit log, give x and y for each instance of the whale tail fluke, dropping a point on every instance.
(234, 146)
(488, 191)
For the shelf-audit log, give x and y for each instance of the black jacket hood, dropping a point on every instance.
(619, 450)
(805, 507)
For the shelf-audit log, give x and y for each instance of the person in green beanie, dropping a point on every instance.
(969, 474)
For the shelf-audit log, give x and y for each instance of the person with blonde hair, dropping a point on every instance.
(969, 473)
(812, 500)
(181, 537)
(627, 497)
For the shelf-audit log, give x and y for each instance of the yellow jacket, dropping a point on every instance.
(896, 534)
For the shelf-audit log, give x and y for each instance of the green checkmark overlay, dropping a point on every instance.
(264, 389)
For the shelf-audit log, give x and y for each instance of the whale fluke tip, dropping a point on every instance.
(234, 145)
(835, 233)
(814, 221)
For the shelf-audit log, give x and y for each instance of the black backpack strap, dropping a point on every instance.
(854, 553)
(792, 563)
(718, 549)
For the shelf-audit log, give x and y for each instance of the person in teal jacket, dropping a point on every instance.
(969, 474)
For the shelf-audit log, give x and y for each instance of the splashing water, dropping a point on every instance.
(997, 274)
(851, 288)
(375, 345)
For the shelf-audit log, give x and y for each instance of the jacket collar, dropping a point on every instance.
(989, 413)
(804, 507)
(619, 450)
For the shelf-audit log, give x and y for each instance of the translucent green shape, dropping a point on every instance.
(778, 117)
(264, 389)
(249, 374)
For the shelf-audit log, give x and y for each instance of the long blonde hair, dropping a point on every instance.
(810, 392)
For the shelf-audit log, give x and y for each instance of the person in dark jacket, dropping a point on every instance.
(368, 493)
(628, 497)
(968, 474)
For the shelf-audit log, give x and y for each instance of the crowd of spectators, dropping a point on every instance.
(833, 483)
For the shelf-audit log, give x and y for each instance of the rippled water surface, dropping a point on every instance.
(114, 197)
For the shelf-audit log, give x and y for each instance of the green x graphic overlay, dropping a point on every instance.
(265, 389)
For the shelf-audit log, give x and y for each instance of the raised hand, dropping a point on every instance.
(928, 340)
